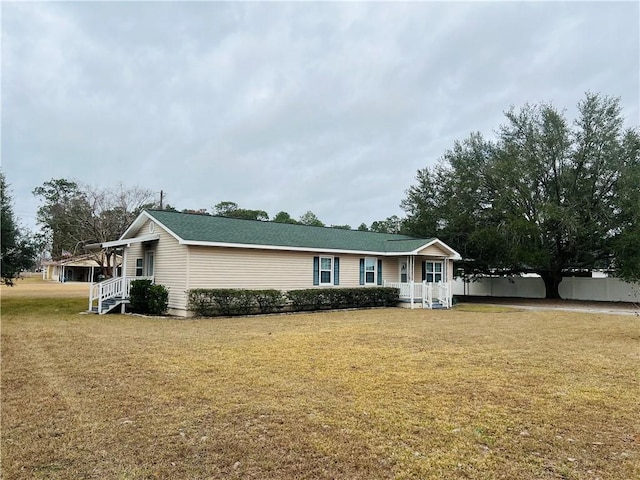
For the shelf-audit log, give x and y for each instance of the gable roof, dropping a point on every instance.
(193, 229)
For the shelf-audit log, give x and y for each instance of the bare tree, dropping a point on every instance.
(74, 215)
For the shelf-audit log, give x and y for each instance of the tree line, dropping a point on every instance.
(73, 215)
(547, 195)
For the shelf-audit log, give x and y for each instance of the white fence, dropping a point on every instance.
(571, 288)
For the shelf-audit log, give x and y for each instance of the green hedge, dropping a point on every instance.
(227, 302)
(332, 298)
(145, 297)
(210, 302)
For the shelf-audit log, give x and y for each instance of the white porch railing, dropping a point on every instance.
(118, 287)
(426, 293)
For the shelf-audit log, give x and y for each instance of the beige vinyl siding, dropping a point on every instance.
(170, 264)
(450, 268)
(212, 267)
(134, 252)
(390, 270)
(433, 251)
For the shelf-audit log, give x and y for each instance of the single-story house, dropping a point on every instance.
(76, 268)
(185, 251)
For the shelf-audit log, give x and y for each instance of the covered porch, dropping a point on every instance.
(424, 281)
(423, 295)
(108, 294)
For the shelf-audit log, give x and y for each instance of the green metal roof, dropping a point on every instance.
(192, 228)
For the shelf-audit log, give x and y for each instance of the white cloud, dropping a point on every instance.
(329, 107)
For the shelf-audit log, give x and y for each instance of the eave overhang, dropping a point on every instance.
(129, 241)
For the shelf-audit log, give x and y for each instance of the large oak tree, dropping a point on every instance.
(546, 196)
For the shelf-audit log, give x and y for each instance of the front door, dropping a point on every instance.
(404, 271)
(149, 262)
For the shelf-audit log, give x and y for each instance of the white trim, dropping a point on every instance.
(139, 222)
(149, 263)
(127, 242)
(320, 270)
(375, 271)
(256, 246)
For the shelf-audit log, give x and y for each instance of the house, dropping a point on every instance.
(76, 268)
(185, 251)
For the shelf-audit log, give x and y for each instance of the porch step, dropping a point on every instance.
(109, 304)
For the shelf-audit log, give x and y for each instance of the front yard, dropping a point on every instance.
(384, 393)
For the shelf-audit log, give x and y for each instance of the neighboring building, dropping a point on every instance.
(186, 251)
(77, 268)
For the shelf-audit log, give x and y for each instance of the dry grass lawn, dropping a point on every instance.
(384, 393)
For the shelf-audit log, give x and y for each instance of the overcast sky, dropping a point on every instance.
(328, 107)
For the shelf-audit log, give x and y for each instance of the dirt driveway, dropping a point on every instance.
(617, 308)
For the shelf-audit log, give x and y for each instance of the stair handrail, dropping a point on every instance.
(428, 294)
(110, 288)
(101, 291)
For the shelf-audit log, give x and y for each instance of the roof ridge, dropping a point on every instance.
(208, 215)
(195, 228)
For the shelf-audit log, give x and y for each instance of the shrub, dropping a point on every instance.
(228, 301)
(310, 299)
(331, 298)
(139, 295)
(145, 297)
(199, 300)
(269, 301)
(158, 299)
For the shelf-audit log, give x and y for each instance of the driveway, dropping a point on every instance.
(615, 308)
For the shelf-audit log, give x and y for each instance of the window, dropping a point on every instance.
(139, 267)
(433, 271)
(369, 271)
(326, 270)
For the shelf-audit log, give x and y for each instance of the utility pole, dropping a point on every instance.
(161, 195)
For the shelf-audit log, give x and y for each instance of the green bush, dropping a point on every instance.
(332, 298)
(158, 299)
(269, 301)
(309, 299)
(228, 301)
(139, 295)
(200, 301)
(145, 297)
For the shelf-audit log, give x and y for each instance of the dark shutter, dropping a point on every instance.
(379, 272)
(316, 270)
(336, 270)
(424, 271)
(362, 271)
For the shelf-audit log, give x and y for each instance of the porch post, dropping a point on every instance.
(410, 267)
(411, 289)
(123, 272)
(123, 269)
